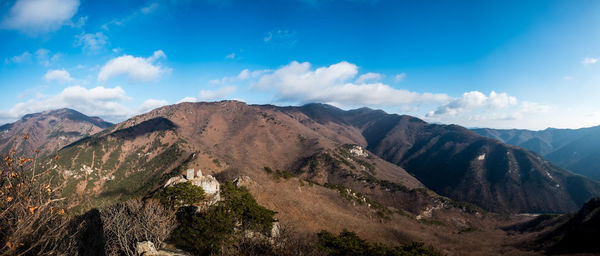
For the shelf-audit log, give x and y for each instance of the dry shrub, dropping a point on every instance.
(126, 224)
(289, 242)
(32, 216)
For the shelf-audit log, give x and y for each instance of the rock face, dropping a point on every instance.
(209, 184)
(358, 151)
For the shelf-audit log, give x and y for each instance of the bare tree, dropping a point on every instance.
(32, 216)
(126, 224)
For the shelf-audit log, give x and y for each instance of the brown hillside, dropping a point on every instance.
(48, 131)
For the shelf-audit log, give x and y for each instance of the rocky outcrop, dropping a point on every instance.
(358, 151)
(243, 181)
(209, 184)
(147, 248)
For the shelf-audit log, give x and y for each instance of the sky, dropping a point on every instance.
(500, 64)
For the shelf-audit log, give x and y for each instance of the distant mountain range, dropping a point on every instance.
(48, 131)
(133, 157)
(577, 150)
(389, 177)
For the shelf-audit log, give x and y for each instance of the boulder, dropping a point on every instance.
(146, 248)
(243, 181)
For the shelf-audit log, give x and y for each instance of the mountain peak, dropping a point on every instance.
(48, 131)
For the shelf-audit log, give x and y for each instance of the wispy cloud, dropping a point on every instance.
(91, 42)
(589, 60)
(21, 58)
(400, 77)
(42, 56)
(281, 36)
(150, 8)
(374, 77)
(474, 99)
(140, 12)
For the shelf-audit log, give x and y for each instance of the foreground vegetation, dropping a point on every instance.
(35, 220)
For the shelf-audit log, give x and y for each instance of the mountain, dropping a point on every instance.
(575, 233)
(134, 156)
(573, 149)
(316, 176)
(48, 131)
(456, 162)
(390, 178)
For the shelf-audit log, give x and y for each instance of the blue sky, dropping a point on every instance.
(502, 64)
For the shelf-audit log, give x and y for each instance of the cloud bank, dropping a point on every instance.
(299, 83)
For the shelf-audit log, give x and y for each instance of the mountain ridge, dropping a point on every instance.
(573, 149)
(448, 159)
(48, 131)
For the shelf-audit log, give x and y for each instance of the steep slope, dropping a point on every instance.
(133, 157)
(48, 131)
(464, 166)
(579, 234)
(321, 176)
(573, 149)
(563, 234)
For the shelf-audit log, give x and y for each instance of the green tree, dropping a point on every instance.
(207, 233)
(181, 194)
(350, 244)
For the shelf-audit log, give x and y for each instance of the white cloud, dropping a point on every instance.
(475, 99)
(39, 16)
(24, 57)
(188, 99)
(375, 77)
(151, 104)
(98, 101)
(91, 42)
(107, 103)
(157, 55)
(589, 60)
(400, 77)
(230, 56)
(60, 75)
(218, 94)
(137, 69)
(298, 83)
